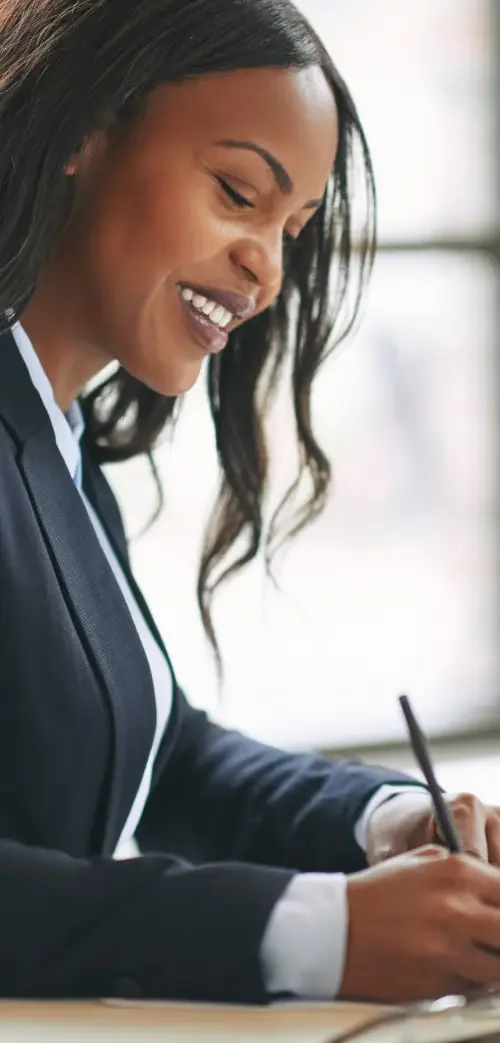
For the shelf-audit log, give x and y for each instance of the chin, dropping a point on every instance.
(181, 386)
(168, 372)
(171, 381)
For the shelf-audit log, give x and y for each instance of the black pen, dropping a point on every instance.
(444, 818)
(420, 748)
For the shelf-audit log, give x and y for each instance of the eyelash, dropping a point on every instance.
(234, 196)
(242, 203)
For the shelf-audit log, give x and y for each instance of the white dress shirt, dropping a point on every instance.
(304, 946)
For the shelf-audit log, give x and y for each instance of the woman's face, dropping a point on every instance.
(177, 235)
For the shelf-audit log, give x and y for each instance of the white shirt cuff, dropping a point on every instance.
(304, 947)
(383, 794)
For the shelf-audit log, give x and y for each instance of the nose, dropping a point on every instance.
(261, 261)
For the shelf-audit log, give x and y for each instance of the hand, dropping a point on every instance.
(407, 821)
(417, 925)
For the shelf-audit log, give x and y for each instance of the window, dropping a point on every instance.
(395, 587)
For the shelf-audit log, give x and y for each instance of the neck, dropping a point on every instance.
(66, 352)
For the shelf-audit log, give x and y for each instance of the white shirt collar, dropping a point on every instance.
(68, 430)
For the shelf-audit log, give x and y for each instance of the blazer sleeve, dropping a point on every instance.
(152, 927)
(223, 795)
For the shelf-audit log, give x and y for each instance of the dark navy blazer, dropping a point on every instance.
(228, 820)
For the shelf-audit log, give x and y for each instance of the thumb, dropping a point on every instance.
(430, 851)
(427, 852)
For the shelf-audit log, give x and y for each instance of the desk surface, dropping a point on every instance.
(151, 1023)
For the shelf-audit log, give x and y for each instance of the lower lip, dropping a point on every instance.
(208, 336)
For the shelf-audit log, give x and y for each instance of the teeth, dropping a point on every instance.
(217, 314)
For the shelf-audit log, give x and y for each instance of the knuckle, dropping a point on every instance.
(465, 804)
(442, 912)
(462, 912)
(456, 870)
(436, 913)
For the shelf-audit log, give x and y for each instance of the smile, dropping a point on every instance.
(215, 313)
(204, 320)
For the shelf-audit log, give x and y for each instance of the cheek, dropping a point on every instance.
(180, 229)
(140, 240)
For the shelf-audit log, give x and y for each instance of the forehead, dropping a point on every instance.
(291, 113)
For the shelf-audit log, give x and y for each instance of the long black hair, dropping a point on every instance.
(68, 67)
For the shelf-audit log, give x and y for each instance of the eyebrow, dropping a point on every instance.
(281, 176)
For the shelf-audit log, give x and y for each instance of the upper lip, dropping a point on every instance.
(240, 307)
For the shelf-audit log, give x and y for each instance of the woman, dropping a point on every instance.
(176, 181)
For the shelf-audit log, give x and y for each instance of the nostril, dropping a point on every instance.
(250, 274)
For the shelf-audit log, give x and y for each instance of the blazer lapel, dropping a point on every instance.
(100, 614)
(97, 491)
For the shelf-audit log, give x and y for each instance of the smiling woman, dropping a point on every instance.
(157, 160)
(261, 159)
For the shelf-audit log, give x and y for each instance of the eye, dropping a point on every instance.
(235, 197)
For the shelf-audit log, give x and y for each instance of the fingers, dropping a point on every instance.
(397, 825)
(480, 967)
(469, 815)
(467, 876)
(478, 926)
(483, 927)
(493, 837)
(432, 917)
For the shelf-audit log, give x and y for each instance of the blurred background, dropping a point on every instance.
(396, 587)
